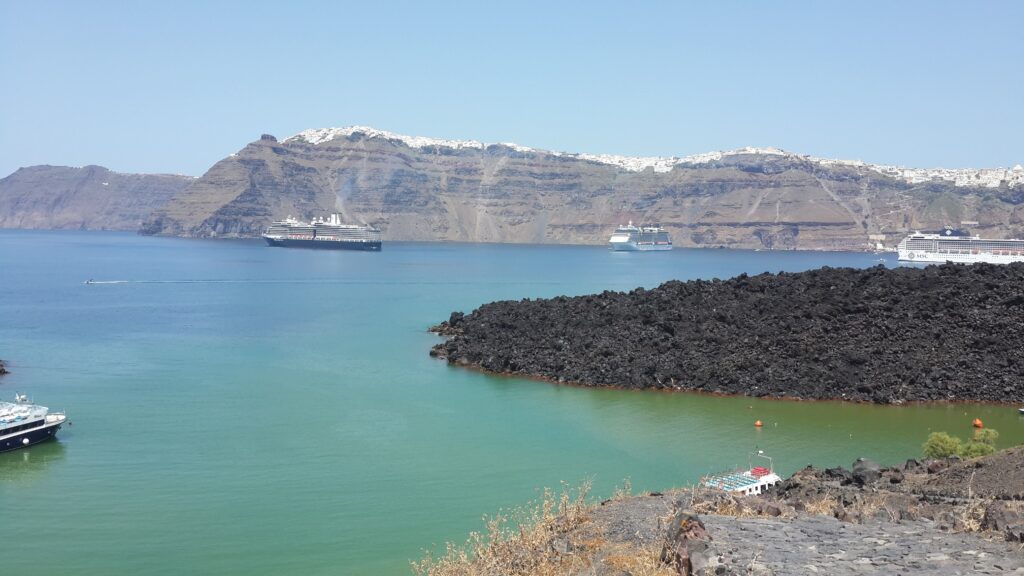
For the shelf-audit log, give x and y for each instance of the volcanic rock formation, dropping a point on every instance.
(950, 332)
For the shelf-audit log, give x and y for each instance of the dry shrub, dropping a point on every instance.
(527, 542)
(970, 516)
(705, 500)
(623, 492)
(870, 506)
(637, 562)
(824, 506)
(722, 506)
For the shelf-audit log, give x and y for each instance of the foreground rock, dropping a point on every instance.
(910, 520)
(802, 544)
(947, 332)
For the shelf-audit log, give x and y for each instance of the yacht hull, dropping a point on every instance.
(633, 247)
(28, 438)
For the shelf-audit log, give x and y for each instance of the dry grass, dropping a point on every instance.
(530, 541)
(824, 506)
(970, 516)
(705, 500)
(623, 492)
(723, 506)
(637, 561)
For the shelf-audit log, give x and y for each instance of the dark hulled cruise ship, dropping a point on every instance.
(23, 424)
(320, 233)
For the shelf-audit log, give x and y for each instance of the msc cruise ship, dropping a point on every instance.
(958, 246)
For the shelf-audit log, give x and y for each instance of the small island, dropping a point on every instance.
(940, 333)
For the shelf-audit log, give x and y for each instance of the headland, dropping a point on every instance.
(940, 333)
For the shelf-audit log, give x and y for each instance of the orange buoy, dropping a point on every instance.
(978, 423)
(758, 424)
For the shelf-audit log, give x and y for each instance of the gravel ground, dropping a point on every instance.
(918, 518)
(809, 544)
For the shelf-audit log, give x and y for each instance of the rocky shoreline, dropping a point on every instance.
(918, 518)
(948, 332)
(922, 517)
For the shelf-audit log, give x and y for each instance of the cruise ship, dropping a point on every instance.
(24, 424)
(631, 238)
(958, 246)
(320, 233)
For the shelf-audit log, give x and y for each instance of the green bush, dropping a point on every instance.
(941, 445)
(974, 449)
(986, 436)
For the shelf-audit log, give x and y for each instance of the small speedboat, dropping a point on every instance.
(1021, 410)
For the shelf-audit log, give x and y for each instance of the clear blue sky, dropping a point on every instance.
(176, 86)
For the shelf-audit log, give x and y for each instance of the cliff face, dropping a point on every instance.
(422, 189)
(86, 198)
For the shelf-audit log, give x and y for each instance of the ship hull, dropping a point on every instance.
(29, 437)
(369, 246)
(924, 257)
(634, 247)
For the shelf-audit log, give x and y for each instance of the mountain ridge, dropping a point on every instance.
(426, 189)
(990, 177)
(83, 197)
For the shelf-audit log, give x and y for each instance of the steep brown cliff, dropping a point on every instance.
(506, 193)
(86, 198)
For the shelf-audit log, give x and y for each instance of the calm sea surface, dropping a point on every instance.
(240, 409)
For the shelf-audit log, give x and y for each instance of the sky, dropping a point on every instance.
(173, 87)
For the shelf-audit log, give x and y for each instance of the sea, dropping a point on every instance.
(241, 409)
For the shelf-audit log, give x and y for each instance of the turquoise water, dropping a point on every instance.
(240, 409)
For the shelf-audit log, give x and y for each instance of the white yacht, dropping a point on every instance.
(751, 482)
(24, 424)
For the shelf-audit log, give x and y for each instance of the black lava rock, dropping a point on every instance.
(949, 332)
(866, 471)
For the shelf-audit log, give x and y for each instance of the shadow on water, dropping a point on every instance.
(25, 465)
(686, 434)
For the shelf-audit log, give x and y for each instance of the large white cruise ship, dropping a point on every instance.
(958, 246)
(631, 238)
(320, 233)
